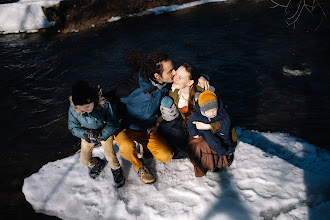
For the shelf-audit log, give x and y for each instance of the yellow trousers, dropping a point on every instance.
(86, 154)
(155, 143)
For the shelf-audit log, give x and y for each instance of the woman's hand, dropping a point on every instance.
(203, 83)
(201, 125)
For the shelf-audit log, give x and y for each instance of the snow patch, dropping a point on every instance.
(274, 176)
(17, 17)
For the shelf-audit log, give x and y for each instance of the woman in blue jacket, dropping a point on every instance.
(92, 119)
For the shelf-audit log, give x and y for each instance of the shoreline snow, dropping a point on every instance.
(274, 176)
(27, 15)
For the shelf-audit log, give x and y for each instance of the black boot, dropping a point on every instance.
(179, 154)
(96, 170)
(118, 177)
(230, 158)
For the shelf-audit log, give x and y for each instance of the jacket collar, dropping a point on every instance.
(149, 86)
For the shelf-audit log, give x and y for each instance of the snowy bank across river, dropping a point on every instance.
(24, 16)
(274, 176)
(28, 16)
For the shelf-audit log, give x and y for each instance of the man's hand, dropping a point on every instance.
(203, 83)
(153, 129)
(201, 125)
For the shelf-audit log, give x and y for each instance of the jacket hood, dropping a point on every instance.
(100, 103)
(143, 84)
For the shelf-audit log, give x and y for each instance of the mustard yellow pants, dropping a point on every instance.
(155, 143)
(86, 154)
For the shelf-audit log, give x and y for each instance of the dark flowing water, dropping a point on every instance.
(242, 46)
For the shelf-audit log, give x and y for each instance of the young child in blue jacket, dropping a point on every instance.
(209, 109)
(92, 119)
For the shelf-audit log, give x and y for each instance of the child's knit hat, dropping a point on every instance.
(207, 100)
(168, 109)
(82, 93)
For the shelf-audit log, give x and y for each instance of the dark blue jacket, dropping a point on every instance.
(175, 133)
(143, 105)
(220, 141)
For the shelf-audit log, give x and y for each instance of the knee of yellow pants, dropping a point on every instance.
(162, 153)
(125, 144)
(164, 156)
(127, 149)
(159, 148)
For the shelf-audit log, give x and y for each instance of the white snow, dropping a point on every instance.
(274, 176)
(24, 16)
(112, 19)
(162, 9)
(27, 15)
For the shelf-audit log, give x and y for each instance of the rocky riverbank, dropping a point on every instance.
(85, 14)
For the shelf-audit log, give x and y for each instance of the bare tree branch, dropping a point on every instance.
(298, 8)
(278, 4)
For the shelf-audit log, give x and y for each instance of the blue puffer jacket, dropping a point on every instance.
(143, 105)
(220, 141)
(102, 117)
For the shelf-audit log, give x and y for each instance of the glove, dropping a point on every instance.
(93, 135)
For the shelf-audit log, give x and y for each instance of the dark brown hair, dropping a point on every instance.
(150, 63)
(193, 75)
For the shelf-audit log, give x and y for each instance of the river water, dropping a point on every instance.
(243, 47)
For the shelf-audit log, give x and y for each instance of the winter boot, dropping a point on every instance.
(118, 177)
(96, 170)
(215, 170)
(230, 158)
(145, 175)
(179, 154)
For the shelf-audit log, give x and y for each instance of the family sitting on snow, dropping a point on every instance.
(168, 121)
